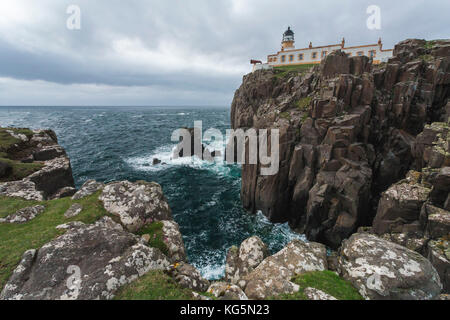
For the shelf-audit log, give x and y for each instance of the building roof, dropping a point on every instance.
(288, 32)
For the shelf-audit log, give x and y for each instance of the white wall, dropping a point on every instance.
(381, 56)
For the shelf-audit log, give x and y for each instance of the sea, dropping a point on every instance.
(119, 143)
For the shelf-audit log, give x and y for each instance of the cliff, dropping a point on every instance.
(348, 131)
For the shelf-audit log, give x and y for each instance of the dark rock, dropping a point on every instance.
(5, 169)
(400, 205)
(156, 161)
(48, 153)
(56, 174)
(438, 252)
(356, 136)
(64, 193)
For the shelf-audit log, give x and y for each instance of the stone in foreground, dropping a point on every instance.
(240, 262)
(316, 294)
(24, 215)
(136, 204)
(382, 270)
(272, 277)
(226, 291)
(174, 241)
(88, 262)
(188, 277)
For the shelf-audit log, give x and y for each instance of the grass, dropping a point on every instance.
(326, 281)
(285, 115)
(426, 57)
(281, 72)
(20, 170)
(430, 44)
(155, 232)
(15, 239)
(304, 103)
(155, 285)
(7, 140)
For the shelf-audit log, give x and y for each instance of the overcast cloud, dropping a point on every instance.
(177, 52)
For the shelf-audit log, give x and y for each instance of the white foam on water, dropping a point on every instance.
(165, 155)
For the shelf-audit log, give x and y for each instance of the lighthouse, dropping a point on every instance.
(288, 40)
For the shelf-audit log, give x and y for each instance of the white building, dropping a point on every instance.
(289, 55)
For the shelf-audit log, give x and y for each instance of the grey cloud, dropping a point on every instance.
(217, 39)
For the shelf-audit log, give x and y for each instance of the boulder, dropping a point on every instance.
(88, 188)
(24, 215)
(136, 204)
(88, 262)
(400, 205)
(188, 277)
(64, 193)
(174, 241)
(73, 211)
(438, 252)
(5, 169)
(316, 294)
(241, 261)
(272, 276)
(437, 221)
(56, 174)
(382, 270)
(334, 64)
(226, 291)
(48, 153)
(24, 189)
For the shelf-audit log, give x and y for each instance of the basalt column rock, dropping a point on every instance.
(348, 131)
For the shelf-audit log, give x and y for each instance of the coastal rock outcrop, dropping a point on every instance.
(174, 241)
(24, 215)
(136, 204)
(188, 276)
(348, 131)
(226, 291)
(39, 168)
(241, 261)
(384, 270)
(88, 188)
(88, 262)
(273, 275)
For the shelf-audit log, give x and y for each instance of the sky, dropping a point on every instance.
(177, 52)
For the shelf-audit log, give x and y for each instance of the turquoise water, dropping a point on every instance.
(112, 143)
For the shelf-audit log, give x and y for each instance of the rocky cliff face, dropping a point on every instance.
(348, 131)
(35, 166)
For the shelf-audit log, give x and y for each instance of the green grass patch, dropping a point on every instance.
(285, 115)
(15, 239)
(426, 57)
(283, 71)
(304, 103)
(155, 232)
(430, 44)
(326, 281)
(20, 170)
(155, 285)
(7, 140)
